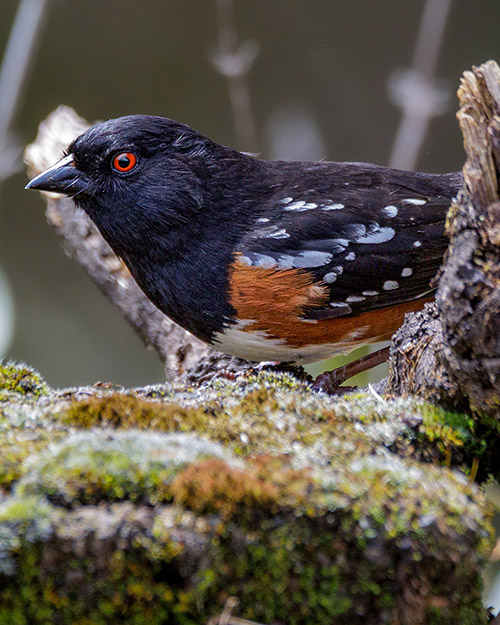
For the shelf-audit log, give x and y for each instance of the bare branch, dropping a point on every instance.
(416, 90)
(233, 60)
(19, 51)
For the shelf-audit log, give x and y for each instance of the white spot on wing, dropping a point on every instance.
(279, 234)
(334, 246)
(285, 261)
(390, 211)
(295, 206)
(417, 244)
(262, 260)
(390, 285)
(382, 235)
(354, 230)
(311, 259)
(406, 273)
(343, 242)
(370, 293)
(262, 220)
(330, 277)
(333, 274)
(332, 207)
(286, 200)
(415, 201)
(351, 256)
(355, 298)
(300, 206)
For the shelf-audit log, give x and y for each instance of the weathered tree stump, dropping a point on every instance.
(450, 352)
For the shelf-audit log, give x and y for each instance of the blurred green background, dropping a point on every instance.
(318, 88)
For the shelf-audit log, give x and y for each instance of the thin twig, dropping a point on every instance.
(233, 60)
(330, 381)
(416, 90)
(13, 72)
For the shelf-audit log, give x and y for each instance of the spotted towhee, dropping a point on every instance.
(265, 260)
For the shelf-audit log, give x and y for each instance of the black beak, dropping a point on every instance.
(63, 177)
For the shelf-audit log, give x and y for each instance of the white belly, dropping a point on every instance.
(258, 346)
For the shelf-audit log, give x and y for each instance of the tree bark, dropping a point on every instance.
(450, 352)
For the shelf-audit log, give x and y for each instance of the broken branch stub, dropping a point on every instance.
(452, 355)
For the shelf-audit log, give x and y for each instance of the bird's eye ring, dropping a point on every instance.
(124, 162)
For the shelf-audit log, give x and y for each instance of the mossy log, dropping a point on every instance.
(161, 504)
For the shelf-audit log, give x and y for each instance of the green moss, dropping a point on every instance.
(291, 562)
(129, 411)
(308, 509)
(450, 428)
(111, 585)
(89, 467)
(25, 431)
(243, 414)
(458, 440)
(20, 378)
(22, 520)
(14, 451)
(285, 559)
(266, 484)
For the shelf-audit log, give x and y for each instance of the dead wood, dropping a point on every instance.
(450, 352)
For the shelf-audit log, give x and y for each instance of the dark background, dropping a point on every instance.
(318, 89)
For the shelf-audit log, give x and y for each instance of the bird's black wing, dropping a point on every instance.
(374, 236)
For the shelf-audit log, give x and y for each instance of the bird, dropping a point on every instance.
(266, 260)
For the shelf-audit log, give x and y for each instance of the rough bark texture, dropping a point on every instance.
(178, 349)
(450, 352)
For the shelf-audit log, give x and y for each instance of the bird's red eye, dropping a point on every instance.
(124, 162)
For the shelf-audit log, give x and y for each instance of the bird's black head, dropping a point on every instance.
(138, 177)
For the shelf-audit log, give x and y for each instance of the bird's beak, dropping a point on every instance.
(63, 177)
